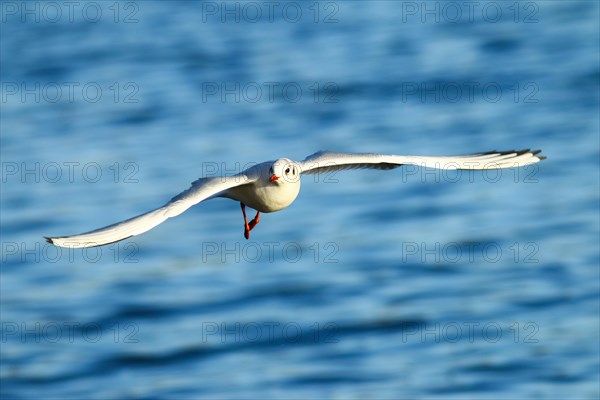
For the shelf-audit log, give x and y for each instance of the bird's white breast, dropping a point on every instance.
(266, 197)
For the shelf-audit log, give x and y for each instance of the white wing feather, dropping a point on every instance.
(325, 161)
(201, 190)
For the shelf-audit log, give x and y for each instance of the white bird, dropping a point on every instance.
(274, 185)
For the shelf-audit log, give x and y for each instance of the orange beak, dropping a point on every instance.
(273, 178)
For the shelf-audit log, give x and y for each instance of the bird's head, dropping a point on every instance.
(283, 171)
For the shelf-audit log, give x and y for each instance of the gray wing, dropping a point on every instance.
(201, 190)
(326, 161)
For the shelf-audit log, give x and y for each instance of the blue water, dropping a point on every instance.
(397, 284)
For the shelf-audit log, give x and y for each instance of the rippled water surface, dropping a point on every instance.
(397, 284)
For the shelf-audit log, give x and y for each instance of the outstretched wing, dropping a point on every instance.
(325, 161)
(201, 190)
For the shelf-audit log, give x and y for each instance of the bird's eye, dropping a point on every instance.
(271, 170)
(287, 170)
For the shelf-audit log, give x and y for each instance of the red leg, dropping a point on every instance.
(246, 227)
(254, 221)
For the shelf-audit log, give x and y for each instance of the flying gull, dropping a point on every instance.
(274, 185)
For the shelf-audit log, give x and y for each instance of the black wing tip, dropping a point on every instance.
(49, 239)
(536, 152)
(517, 152)
(520, 152)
